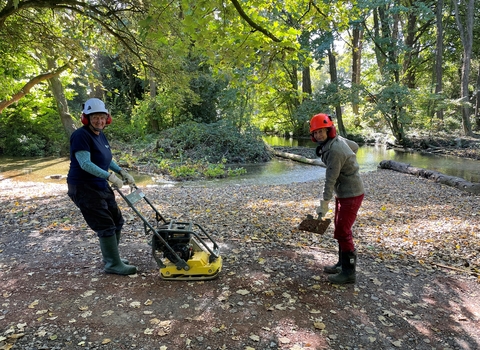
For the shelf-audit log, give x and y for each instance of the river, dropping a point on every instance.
(277, 171)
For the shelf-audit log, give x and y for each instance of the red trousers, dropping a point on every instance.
(345, 214)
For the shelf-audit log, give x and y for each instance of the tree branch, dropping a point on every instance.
(252, 24)
(31, 83)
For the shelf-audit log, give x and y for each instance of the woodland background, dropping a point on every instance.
(395, 67)
(174, 73)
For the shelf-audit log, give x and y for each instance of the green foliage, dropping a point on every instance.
(32, 129)
(203, 107)
(190, 64)
(196, 150)
(452, 123)
(320, 102)
(185, 171)
(119, 79)
(122, 130)
(219, 170)
(393, 103)
(199, 169)
(213, 143)
(127, 159)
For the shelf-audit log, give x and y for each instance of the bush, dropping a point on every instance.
(29, 133)
(452, 124)
(21, 145)
(122, 130)
(213, 143)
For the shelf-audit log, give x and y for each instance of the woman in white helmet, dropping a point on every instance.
(90, 162)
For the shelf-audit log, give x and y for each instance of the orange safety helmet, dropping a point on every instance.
(320, 121)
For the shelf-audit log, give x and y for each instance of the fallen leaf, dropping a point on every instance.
(397, 343)
(86, 314)
(32, 305)
(16, 336)
(243, 292)
(135, 304)
(88, 293)
(254, 337)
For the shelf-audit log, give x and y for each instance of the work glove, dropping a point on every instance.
(116, 182)
(127, 177)
(322, 210)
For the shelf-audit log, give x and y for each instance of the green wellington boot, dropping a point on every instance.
(337, 268)
(349, 263)
(113, 264)
(118, 234)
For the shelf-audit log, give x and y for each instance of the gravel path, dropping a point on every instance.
(418, 286)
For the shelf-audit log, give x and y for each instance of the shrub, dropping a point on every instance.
(213, 143)
(25, 132)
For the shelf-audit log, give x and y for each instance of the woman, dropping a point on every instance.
(342, 178)
(90, 160)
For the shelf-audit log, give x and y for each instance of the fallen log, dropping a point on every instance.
(436, 176)
(298, 158)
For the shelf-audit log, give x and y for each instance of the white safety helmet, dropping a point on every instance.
(94, 105)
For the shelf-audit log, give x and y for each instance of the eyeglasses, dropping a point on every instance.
(98, 117)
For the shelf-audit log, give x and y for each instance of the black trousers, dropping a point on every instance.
(98, 207)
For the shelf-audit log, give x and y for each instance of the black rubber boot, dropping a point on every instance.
(118, 234)
(349, 263)
(113, 264)
(337, 268)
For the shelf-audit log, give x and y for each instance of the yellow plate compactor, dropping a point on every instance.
(182, 250)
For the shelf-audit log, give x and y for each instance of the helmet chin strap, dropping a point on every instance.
(94, 128)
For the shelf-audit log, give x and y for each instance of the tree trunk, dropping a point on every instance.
(409, 69)
(332, 63)
(153, 122)
(465, 29)
(58, 93)
(452, 181)
(356, 71)
(439, 57)
(298, 158)
(477, 102)
(306, 81)
(379, 55)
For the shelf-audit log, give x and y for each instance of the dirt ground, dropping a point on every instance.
(417, 287)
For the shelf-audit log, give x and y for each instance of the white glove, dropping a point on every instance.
(127, 177)
(116, 182)
(322, 210)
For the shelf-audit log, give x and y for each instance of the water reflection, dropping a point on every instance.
(33, 169)
(370, 156)
(275, 172)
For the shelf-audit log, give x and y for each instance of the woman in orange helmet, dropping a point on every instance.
(342, 178)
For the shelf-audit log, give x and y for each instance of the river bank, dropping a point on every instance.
(417, 286)
(462, 147)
